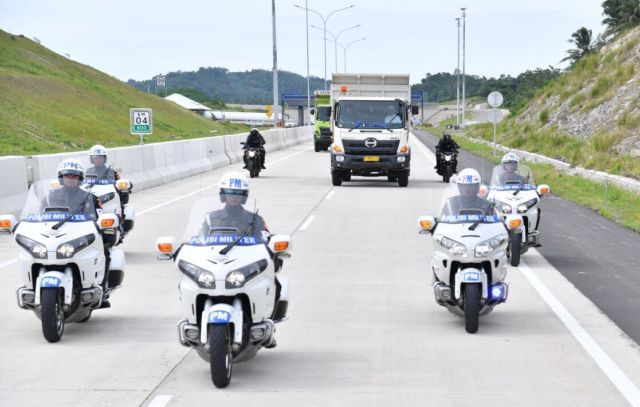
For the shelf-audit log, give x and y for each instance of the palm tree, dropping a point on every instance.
(582, 39)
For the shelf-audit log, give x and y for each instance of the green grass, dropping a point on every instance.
(49, 104)
(612, 202)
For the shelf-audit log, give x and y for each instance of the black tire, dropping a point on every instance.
(85, 319)
(220, 357)
(403, 179)
(336, 178)
(346, 176)
(514, 249)
(448, 171)
(392, 178)
(316, 147)
(250, 165)
(472, 296)
(52, 314)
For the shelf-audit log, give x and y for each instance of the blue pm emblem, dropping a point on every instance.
(471, 277)
(50, 282)
(219, 317)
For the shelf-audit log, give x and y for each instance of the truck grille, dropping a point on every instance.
(383, 147)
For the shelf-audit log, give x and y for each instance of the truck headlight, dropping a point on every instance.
(37, 250)
(485, 248)
(339, 158)
(402, 159)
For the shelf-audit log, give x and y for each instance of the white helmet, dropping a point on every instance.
(97, 151)
(234, 183)
(468, 181)
(70, 166)
(510, 158)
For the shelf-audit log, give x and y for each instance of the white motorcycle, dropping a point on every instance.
(114, 197)
(517, 194)
(62, 261)
(469, 261)
(229, 291)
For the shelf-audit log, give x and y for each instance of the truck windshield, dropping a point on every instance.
(323, 114)
(366, 114)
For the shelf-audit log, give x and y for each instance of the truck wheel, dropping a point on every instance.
(472, 295)
(403, 179)
(336, 178)
(346, 176)
(220, 358)
(52, 314)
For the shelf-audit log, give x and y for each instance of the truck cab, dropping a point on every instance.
(322, 135)
(370, 122)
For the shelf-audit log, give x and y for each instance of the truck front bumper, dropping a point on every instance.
(385, 165)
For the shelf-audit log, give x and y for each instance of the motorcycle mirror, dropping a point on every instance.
(427, 224)
(7, 223)
(108, 221)
(543, 189)
(166, 247)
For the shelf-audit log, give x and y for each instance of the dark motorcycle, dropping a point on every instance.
(253, 160)
(448, 164)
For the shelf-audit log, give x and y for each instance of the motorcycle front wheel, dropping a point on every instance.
(52, 314)
(220, 357)
(472, 297)
(514, 249)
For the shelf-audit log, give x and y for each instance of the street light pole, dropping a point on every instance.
(345, 48)
(458, 79)
(324, 22)
(464, 60)
(275, 66)
(308, 84)
(335, 40)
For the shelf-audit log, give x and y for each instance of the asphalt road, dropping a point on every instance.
(364, 328)
(595, 254)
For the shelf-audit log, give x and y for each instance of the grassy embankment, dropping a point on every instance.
(49, 104)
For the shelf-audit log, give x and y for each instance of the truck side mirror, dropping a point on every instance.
(415, 109)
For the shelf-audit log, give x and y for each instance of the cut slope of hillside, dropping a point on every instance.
(49, 103)
(590, 116)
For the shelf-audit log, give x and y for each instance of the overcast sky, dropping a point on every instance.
(140, 38)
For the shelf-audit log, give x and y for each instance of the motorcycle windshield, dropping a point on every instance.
(50, 201)
(98, 171)
(511, 176)
(213, 222)
(462, 204)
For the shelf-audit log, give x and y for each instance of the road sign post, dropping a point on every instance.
(141, 122)
(494, 100)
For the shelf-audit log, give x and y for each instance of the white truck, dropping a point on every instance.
(370, 121)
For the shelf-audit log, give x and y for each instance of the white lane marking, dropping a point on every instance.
(160, 400)
(307, 222)
(608, 366)
(423, 148)
(153, 208)
(329, 195)
(8, 263)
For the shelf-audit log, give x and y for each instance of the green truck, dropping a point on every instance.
(322, 135)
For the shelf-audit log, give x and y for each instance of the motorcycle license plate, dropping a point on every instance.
(371, 158)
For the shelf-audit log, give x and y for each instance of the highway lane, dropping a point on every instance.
(364, 327)
(596, 254)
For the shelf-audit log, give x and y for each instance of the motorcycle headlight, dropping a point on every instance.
(37, 250)
(505, 208)
(69, 249)
(447, 157)
(456, 248)
(485, 248)
(522, 208)
(202, 277)
(239, 277)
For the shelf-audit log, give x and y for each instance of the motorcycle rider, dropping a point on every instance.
(445, 145)
(510, 175)
(98, 157)
(467, 200)
(69, 195)
(255, 140)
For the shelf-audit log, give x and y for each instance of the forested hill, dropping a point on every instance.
(249, 87)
